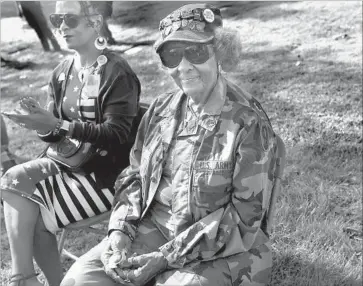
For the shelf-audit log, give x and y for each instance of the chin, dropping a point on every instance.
(72, 45)
(69, 45)
(190, 91)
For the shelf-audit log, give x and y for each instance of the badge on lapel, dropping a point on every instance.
(61, 77)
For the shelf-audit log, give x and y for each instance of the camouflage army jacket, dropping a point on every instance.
(230, 177)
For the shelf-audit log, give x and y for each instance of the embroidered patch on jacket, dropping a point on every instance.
(213, 165)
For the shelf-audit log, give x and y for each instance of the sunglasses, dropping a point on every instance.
(71, 20)
(171, 56)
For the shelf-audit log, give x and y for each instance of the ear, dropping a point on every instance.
(97, 21)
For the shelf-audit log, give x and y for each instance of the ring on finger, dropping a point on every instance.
(127, 280)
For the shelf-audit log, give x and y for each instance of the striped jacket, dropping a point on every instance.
(229, 180)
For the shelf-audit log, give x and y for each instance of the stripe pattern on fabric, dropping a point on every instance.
(73, 197)
(86, 108)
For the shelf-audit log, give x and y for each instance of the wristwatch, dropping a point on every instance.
(64, 128)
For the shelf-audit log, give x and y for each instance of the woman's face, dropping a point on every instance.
(196, 80)
(80, 37)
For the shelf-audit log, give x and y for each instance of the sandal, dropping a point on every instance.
(20, 278)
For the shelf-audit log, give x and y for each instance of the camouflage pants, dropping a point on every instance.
(247, 269)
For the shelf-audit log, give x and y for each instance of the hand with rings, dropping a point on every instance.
(127, 280)
(31, 116)
(140, 269)
(114, 256)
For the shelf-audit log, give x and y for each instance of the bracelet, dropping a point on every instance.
(41, 135)
(127, 233)
(124, 232)
(71, 128)
(64, 129)
(58, 126)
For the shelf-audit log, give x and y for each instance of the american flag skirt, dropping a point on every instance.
(64, 197)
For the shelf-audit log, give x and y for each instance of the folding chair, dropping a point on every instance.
(279, 170)
(83, 224)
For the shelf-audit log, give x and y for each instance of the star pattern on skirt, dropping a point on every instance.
(72, 109)
(71, 77)
(15, 182)
(44, 171)
(64, 99)
(75, 89)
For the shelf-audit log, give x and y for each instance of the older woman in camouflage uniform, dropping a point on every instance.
(191, 207)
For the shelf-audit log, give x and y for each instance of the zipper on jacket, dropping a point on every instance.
(191, 186)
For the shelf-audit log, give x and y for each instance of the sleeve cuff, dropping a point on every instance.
(124, 227)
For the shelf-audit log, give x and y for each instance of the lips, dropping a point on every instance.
(189, 79)
(67, 37)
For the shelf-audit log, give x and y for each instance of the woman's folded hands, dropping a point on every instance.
(133, 270)
(115, 254)
(138, 270)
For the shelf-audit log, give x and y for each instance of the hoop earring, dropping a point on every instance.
(100, 43)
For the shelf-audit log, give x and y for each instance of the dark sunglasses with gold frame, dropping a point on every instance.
(71, 20)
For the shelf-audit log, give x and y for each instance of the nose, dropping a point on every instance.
(63, 26)
(184, 65)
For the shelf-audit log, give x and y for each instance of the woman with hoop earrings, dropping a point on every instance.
(93, 98)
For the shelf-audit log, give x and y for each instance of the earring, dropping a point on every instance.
(100, 43)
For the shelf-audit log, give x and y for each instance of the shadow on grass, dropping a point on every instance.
(281, 64)
(254, 9)
(148, 14)
(292, 270)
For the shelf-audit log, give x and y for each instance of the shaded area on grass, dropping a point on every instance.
(150, 13)
(292, 269)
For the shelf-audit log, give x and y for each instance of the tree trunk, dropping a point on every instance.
(33, 14)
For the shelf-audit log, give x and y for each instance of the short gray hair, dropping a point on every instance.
(228, 47)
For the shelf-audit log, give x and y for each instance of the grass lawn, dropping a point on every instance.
(303, 61)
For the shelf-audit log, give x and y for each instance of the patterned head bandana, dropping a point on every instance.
(190, 23)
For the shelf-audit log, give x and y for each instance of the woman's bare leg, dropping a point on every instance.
(46, 253)
(21, 216)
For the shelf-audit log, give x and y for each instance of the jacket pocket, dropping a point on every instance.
(212, 184)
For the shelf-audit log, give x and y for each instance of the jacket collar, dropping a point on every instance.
(212, 109)
(174, 105)
(215, 102)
